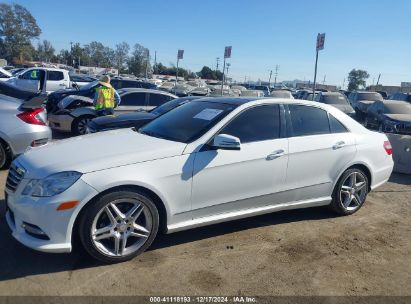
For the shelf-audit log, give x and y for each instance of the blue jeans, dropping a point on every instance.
(105, 111)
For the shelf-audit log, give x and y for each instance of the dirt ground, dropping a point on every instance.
(300, 252)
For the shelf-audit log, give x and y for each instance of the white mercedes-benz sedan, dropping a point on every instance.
(208, 161)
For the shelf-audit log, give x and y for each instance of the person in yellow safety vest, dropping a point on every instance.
(106, 97)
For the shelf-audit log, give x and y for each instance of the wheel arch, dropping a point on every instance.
(161, 207)
(360, 165)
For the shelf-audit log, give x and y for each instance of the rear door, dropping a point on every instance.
(55, 81)
(132, 101)
(320, 147)
(155, 100)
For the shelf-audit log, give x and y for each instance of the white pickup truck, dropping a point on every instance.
(32, 79)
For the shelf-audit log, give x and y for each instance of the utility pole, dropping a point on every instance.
(155, 60)
(218, 61)
(324, 79)
(227, 54)
(269, 79)
(276, 74)
(228, 66)
(378, 81)
(343, 86)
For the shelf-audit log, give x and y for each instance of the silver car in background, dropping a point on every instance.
(21, 126)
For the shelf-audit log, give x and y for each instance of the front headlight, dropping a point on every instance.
(51, 185)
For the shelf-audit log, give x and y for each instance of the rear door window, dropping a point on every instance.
(156, 100)
(133, 99)
(336, 126)
(307, 120)
(55, 75)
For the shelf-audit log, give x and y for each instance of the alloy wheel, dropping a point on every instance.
(121, 227)
(82, 126)
(353, 191)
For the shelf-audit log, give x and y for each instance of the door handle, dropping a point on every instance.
(275, 154)
(339, 145)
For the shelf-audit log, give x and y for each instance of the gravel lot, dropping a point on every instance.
(301, 252)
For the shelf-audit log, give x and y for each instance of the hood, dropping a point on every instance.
(108, 121)
(66, 101)
(345, 108)
(95, 152)
(400, 117)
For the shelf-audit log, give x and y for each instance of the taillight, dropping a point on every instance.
(388, 147)
(32, 117)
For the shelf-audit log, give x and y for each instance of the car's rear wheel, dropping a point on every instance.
(119, 226)
(79, 126)
(350, 192)
(5, 155)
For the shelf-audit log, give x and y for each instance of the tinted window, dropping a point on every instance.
(55, 75)
(334, 99)
(187, 122)
(307, 120)
(336, 126)
(133, 99)
(31, 75)
(116, 84)
(156, 100)
(256, 124)
(369, 96)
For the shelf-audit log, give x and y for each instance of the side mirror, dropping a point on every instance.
(226, 142)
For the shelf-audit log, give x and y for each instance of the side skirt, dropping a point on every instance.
(229, 216)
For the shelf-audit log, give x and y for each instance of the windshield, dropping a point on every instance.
(168, 106)
(397, 108)
(369, 96)
(334, 99)
(187, 122)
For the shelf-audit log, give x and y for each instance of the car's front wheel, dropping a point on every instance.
(350, 192)
(79, 125)
(119, 226)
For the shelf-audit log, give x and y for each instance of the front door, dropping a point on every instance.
(232, 180)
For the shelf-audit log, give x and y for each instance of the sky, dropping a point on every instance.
(373, 35)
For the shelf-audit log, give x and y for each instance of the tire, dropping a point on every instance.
(78, 125)
(366, 122)
(344, 202)
(107, 244)
(5, 155)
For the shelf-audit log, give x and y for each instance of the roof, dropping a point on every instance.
(145, 91)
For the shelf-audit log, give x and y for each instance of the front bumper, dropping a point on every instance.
(60, 122)
(42, 212)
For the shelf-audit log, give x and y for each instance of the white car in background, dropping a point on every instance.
(207, 161)
(5, 75)
(31, 79)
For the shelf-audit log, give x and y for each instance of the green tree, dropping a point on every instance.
(100, 55)
(356, 79)
(207, 73)
(121, 56)
(17, 28)
(139, 61)
(45, 51)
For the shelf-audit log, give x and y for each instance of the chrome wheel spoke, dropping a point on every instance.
(103, 236)
(135, 212)
(359, 186)
(123, 242)
(117, 211)
(117, 244)
(347, 201)
(110, 215)
(356, 199)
